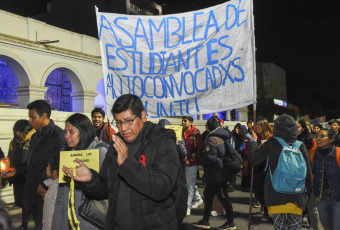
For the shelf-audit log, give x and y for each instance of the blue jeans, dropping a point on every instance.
(190, 174)
(329, 211)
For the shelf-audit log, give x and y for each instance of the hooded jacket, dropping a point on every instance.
(213, 152)
(193, 144)
(152, 184)
(60, 218)
(286, 128)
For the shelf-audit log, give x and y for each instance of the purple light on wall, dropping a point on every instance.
(58, 93)
(8, 82)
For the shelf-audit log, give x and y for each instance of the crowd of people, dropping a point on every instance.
(141, 164)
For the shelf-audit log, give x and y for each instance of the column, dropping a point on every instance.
(29, 93)
(228, 115)
(242, 113)
(83, 101)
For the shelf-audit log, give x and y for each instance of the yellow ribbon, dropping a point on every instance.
(74, 222)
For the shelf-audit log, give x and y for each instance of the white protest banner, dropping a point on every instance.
(182, 64)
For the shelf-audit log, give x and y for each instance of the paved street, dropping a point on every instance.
(240, 202)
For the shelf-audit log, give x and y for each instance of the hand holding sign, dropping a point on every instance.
(83, 173)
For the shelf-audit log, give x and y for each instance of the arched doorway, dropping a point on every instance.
(59, 89)
(8, 82)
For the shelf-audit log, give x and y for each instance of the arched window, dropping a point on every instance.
(58, 93)
(8, 82)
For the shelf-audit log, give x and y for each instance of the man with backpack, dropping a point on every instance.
(216, 175)
(139, 175)
(288, 183)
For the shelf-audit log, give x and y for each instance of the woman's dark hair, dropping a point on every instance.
(87, 132)
(213, 123)
(318, 125)
(21, 126)
(333, 121)
(53, 162)
(128, 101)
(305, 136)
(331, 134)
(189, 118)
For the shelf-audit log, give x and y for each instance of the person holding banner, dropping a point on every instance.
(193, 143)
(79, 135)
(138, 174)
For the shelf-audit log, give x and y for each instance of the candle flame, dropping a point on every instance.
(2, 165)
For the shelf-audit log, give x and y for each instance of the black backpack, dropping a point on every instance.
(232, 160)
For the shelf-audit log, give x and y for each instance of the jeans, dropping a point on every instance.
(190, 174)
(329, 211)
(284, 221)
(313, 213)
(220, 189)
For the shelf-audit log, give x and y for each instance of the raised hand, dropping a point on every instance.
(122, 150)
(83, 173)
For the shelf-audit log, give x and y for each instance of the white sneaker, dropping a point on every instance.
(188, 211)
(214, 213)
(197, 204)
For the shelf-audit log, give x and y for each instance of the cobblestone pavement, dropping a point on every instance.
(239, 199)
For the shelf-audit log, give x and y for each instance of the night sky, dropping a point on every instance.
(302, 37)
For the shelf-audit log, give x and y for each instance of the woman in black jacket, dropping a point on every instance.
(18, 155)
(286, 209)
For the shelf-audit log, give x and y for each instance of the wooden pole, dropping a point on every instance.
(251, 176)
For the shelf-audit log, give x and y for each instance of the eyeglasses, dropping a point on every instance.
(321, 136)
(119, 124)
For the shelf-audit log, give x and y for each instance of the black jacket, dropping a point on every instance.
(286, 128)
(213, 152)
(45, 143)
(150, 200)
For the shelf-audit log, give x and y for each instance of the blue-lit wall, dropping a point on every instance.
(8, 82)
(57, 95)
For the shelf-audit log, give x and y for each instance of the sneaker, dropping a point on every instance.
(202, 224)
(228, 226)
(214, 213)
(188, 211)
(197, 204)
(256, 204)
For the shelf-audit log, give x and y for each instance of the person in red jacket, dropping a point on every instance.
(104, 131)
(193, 143)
